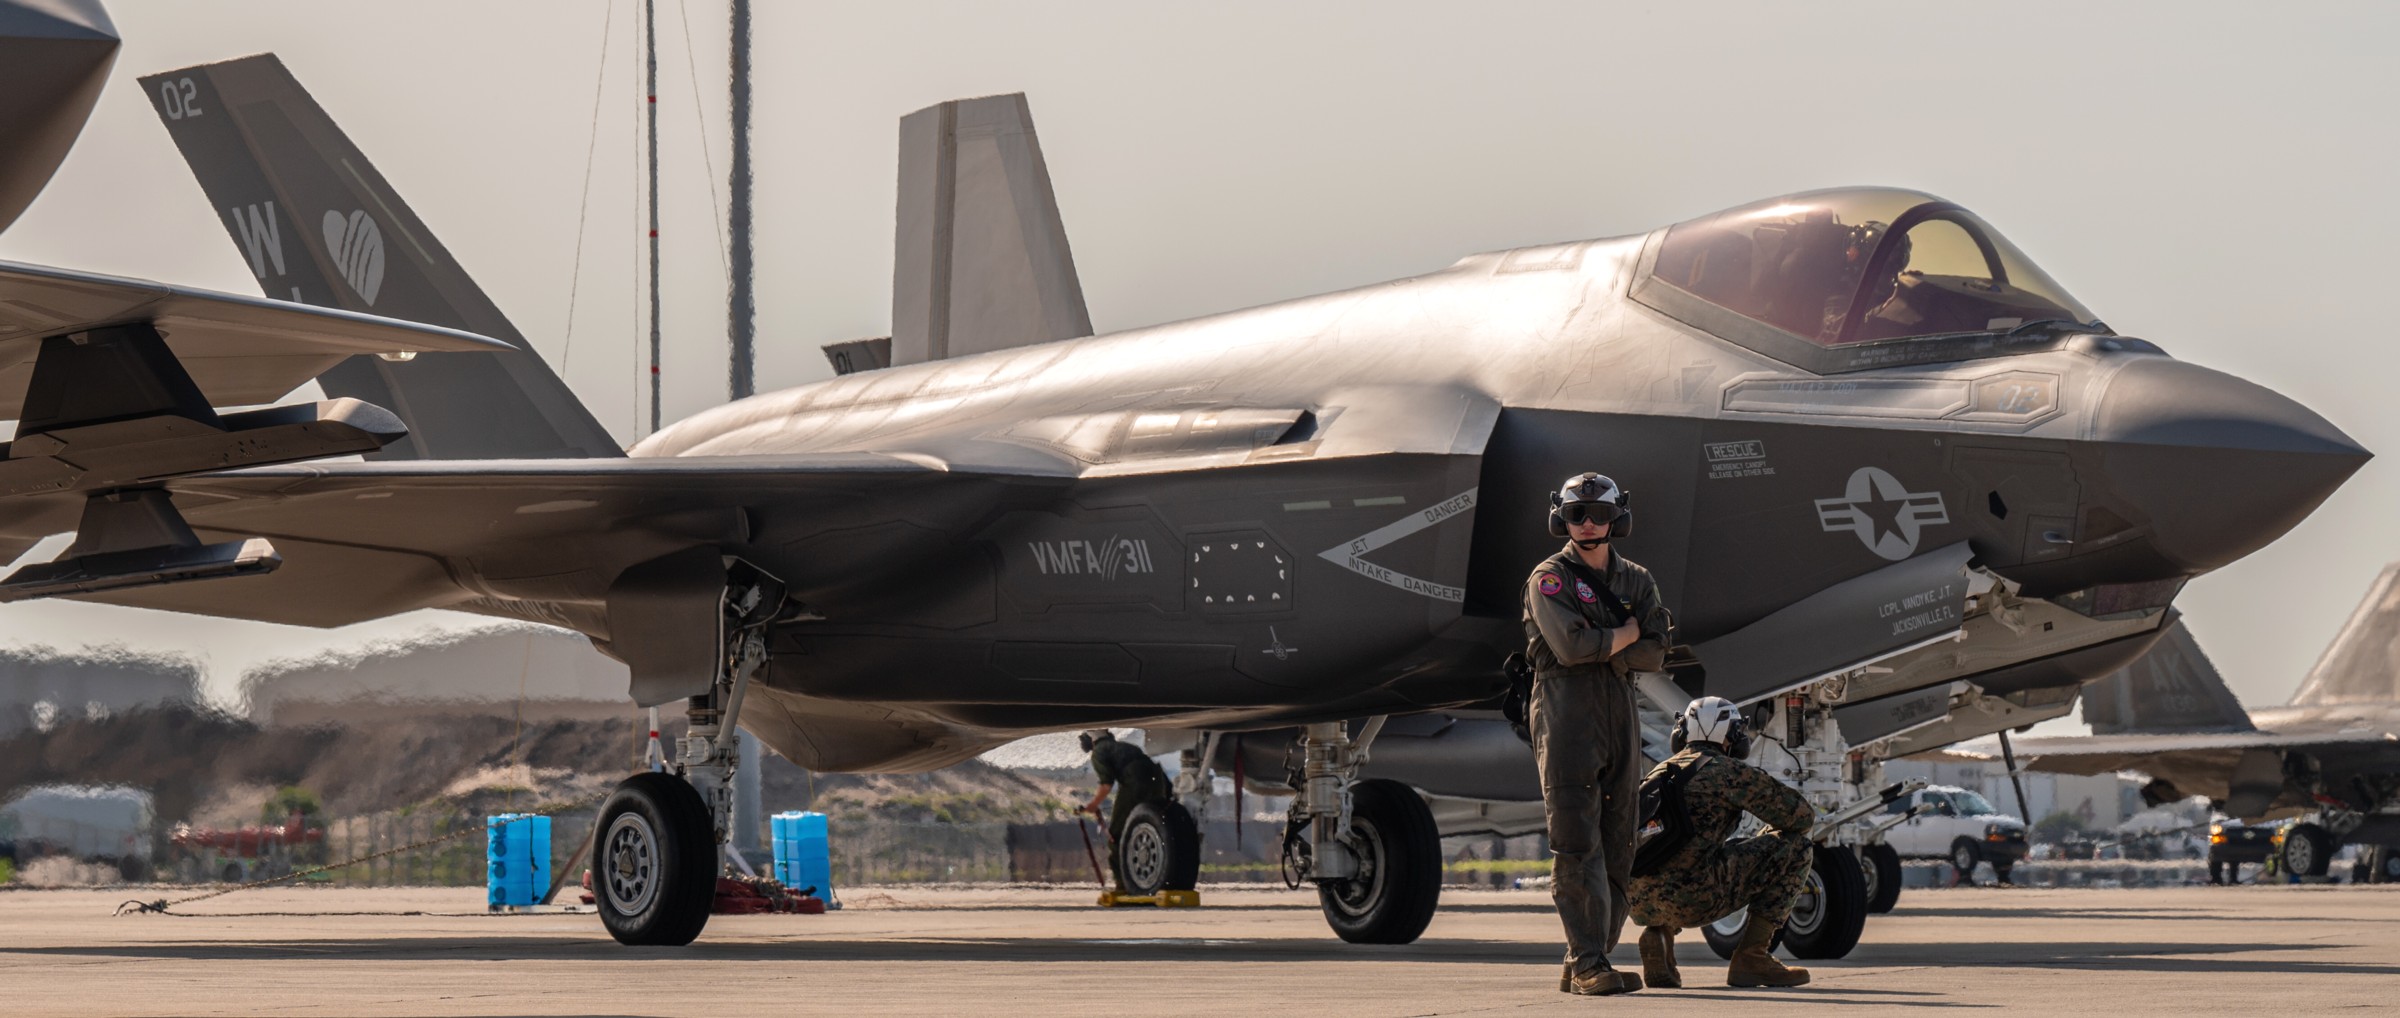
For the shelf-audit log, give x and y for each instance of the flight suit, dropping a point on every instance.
(1587, 738)
(1712, 877)
(1138, 779)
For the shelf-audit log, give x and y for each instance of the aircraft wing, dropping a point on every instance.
(2105, 753)
(2243, 771)
(535, 539)
(239, 350)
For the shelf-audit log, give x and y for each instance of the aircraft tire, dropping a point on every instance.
(1964, 855)
(2387, 865)
(2307, 850)
(654, 863)
(1881, 866)
(1160, 849)
(1400, 879)
(1832, 926)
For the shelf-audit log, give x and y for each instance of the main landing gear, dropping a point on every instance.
(658, 852)
(1370, 846)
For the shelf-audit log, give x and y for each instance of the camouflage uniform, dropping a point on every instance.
(1712, 877)
(1587, 739)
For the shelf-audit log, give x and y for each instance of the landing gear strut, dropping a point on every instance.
(658, 852)
(1370, 846)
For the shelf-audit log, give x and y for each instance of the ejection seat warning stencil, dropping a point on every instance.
(1737, 459)
(1349, 554)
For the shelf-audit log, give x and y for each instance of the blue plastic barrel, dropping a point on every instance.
(517, 871)
(803, 854)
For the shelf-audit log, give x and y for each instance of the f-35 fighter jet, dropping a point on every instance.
(1874, 449)
(2330, 757)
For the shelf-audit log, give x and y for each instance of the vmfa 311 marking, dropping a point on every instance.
(1824, 403)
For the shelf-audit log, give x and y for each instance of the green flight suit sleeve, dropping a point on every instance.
(1571, 637)
(1780, 806)
(1649, 654)
(1102, 767)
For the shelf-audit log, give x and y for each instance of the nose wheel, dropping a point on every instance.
(1398, 881)
(654, 865)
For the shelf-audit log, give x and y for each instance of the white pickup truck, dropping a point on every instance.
(1957, 825)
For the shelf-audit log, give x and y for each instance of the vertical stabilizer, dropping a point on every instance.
(2362, 664)
(318, 225)
(2173, 688)
(980, 260)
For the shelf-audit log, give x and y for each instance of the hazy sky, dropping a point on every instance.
(2213, 177)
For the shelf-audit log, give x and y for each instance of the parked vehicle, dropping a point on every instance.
(1959, 826)
(108, 826)
(2232, 843)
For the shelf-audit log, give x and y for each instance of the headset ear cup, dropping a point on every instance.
(1675, 738)
(1558, 524)
(1624, 525)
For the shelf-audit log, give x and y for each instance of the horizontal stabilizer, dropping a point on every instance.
(980, 261)
(318, 225)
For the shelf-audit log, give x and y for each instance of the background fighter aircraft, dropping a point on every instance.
(2330, 757)
(1876, 452)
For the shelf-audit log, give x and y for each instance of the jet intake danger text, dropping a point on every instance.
(1929, 607)
(1349, 554)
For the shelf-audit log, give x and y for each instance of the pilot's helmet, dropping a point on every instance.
(1090, 737)
(1591, 496)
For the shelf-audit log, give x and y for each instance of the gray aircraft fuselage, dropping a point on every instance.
(1325, 508)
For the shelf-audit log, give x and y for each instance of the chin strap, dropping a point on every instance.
(1589, 545)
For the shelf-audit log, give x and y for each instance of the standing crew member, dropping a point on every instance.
(1592, 619)
(1118, 764)
(1687, 874)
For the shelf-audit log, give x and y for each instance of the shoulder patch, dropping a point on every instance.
(1549, 585)
(1583, 592)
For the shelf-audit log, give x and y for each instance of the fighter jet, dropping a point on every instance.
(1875, 451)
(2330, 757)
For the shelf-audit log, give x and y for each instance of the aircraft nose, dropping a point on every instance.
(2219, 466)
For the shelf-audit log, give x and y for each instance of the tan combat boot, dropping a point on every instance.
(1601, 982)
(1658, 958)
(1753, 964)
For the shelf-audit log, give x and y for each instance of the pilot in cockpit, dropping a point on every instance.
(1859, 265)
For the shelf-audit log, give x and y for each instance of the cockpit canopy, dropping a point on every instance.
(1856, 266)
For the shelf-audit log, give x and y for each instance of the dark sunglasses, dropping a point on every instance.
(1596, 513)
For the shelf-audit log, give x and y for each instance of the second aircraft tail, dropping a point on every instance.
(318, 225)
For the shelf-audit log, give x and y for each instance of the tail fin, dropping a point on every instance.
(2362, 664)
(2173, 688)
(980, 261)
(319, 226)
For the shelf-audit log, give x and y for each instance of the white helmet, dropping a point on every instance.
(1712, 719)
(1090, 737)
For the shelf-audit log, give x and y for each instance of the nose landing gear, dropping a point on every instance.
(1371, 846)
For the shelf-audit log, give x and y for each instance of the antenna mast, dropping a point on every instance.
(650, 87)
(741, 307)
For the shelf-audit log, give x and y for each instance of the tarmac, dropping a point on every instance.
(1048, 951)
